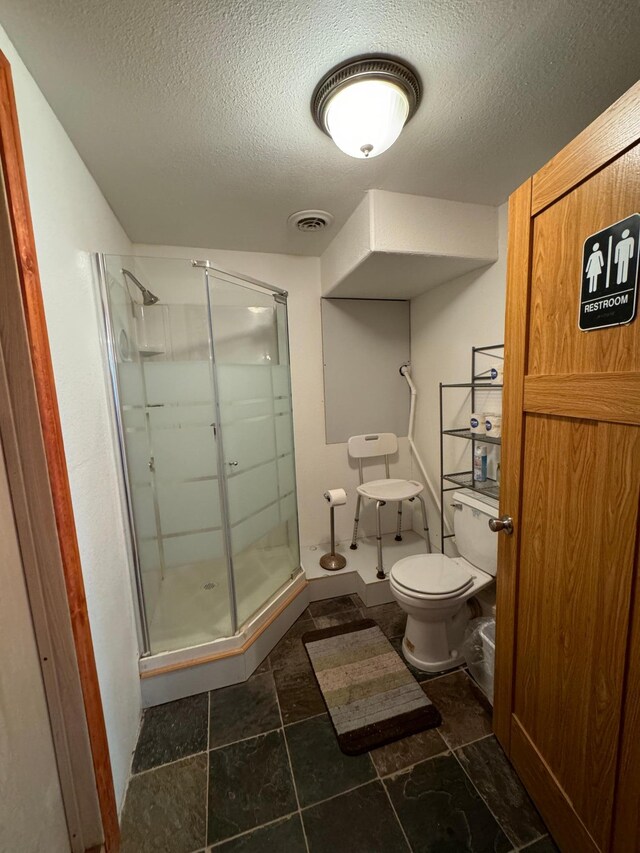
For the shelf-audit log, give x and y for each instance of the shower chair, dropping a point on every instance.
(383, 491)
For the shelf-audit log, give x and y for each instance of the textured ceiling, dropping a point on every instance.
(193, 115)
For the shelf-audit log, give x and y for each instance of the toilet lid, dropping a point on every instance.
(431, 574)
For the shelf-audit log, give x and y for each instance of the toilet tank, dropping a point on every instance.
(474, 540)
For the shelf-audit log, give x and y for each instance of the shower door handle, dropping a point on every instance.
(233, 464)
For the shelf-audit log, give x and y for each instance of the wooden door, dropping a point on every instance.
(567, 666)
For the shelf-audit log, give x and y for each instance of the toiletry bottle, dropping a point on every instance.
(480, 464)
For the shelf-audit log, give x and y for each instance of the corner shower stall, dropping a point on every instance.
(199, 364)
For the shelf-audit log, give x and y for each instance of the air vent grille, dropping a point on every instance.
(310, 221)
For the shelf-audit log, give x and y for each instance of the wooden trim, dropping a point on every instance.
(518, 276)
(230, 653)
(617, 129)
(626, 807)
(552, 800)
(18, 201)
(612, 397)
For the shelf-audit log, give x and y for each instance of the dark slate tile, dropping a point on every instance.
(329, 606)
(243, 710)
(390, 617)
(165, 809)
(299, 695)
(249, 784)
(285, 836)
(290, 653)
(407, 751)
(545, 845)
(360, 821)
(490, 771)
(441, 811)
(172, 731)
(320, 768)
(466, 713)
(418, 674)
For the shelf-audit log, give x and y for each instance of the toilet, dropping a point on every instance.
(434, 589)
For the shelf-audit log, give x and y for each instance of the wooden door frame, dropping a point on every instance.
(608, 137)
(34, 450)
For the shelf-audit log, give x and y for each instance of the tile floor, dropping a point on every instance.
(256, 768)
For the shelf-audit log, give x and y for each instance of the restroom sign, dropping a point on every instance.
(609, 279)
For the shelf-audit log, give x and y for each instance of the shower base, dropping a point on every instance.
(192, 605)
(229, 660)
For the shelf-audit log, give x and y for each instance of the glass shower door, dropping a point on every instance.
(161, 361)
(255, 436)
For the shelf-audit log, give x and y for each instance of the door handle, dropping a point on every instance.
(233, 464)
(504, 524)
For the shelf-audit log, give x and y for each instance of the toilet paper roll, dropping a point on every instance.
(496, 375)
(493, 425)
(476, 422)
(336, 497)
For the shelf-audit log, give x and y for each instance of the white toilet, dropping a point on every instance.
(433, 589)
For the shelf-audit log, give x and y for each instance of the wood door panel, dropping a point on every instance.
(613, 397)
(627, 807)
(575, 578)
(567, 692)
(556, 344)
(570, 835)
(514, 363)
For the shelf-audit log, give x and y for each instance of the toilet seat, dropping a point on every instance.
(432, 576)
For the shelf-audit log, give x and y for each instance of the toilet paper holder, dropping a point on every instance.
(332, 561)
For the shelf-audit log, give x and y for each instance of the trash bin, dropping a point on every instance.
(480, 652)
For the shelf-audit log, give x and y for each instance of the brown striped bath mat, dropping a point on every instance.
(372, 697)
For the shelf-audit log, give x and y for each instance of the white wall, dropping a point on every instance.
(71, 219)
(445, 323)
(318, 466)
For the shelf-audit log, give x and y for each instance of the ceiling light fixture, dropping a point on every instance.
(364, 103)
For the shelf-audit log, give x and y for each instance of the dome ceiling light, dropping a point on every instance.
(364, 104)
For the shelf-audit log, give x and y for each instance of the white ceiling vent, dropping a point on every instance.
(310, 221)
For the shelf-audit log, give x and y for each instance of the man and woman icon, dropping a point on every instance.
(622, 256)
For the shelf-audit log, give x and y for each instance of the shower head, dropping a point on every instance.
(148, 298)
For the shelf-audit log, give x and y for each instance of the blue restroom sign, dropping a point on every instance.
(609, 280)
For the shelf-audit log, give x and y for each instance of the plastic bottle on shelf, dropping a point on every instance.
(479, 464)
